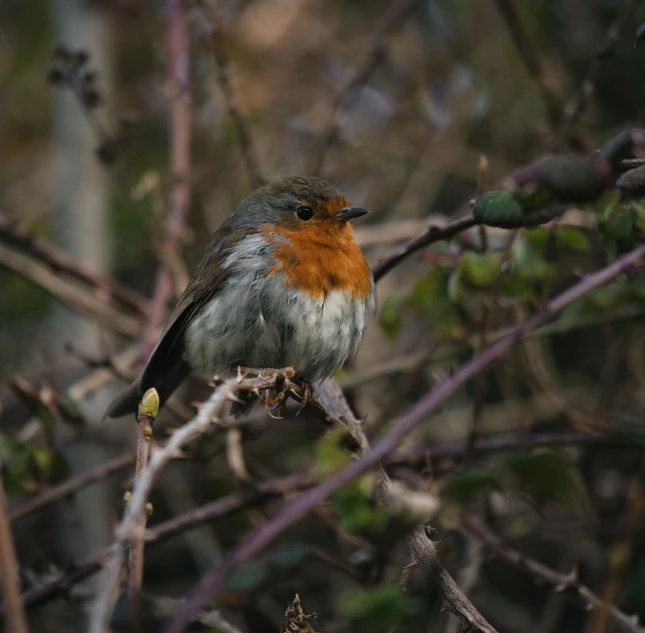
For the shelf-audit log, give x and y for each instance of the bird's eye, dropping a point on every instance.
(304, 213)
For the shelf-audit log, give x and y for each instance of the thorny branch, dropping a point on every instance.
(223, 507)
(263, 491)
(401, 427)
(567, 583)
(129, 527)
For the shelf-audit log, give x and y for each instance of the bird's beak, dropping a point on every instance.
(349, 213)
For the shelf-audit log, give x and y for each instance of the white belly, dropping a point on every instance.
(275, 327)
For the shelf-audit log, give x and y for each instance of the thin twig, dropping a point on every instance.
(224, 507)
(14, 607)
(130, 527)
(538, 68)
(135, 555)
(179, 167)
(212, 29)
(620, 556)
(484, 324)
(71, 293)
(60, 262)
(263, 491)
(423, 548)
(400, 428)
(373, 58)
(432, 234)
(71, 485)
(605, 52)
(566, 583)
(164, 607)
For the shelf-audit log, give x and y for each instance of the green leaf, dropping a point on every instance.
(571, 237)
(435, 297)
(391, 318)
(356, 506)
(378, 609)
(467, 483)
(247, 578)
(547, 476)
(330, 454)
(481, 269)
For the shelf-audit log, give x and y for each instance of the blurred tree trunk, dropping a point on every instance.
(80, 219)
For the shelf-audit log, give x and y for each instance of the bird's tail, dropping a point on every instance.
(165, 385)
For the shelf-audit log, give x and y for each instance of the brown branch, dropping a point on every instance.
(620, 556)
(566, 583)
(539, 70)
(71, 293)
(208, 415)
(179, 167)
(400, 428)
(423, 548)
(605, 52)
(374, 57)
(432, 234)
(14, 607)
(212, 30)
(71, 485)
(148, 411)
(218, 509)
(264, 491)
(163, 608)
(60, 262)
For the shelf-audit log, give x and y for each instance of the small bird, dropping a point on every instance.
(281, 284)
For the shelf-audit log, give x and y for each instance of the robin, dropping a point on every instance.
(281, 284)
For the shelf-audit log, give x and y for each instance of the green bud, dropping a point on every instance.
(560, 179)
(149, 404)
(500, 209)
(632, 184)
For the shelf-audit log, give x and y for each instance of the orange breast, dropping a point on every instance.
(319, 261)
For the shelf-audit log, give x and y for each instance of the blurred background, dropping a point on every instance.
(412, 108)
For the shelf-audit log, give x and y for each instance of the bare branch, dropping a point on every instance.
(539, 69)
(567, 583)
(130, 527)
(71, 485)
(60, 262)
(148, 411)
(9, 577)
(433, 234)
(401, 427)
(218, 509)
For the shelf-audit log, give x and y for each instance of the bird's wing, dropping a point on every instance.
(167, 368)
(205, 284)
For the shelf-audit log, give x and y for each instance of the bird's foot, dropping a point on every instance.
(276, 399)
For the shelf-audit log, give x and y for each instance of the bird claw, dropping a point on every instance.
(306, 394)
(276, 399)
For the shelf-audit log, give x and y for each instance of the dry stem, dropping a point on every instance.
(135, 556)
(9, 580)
